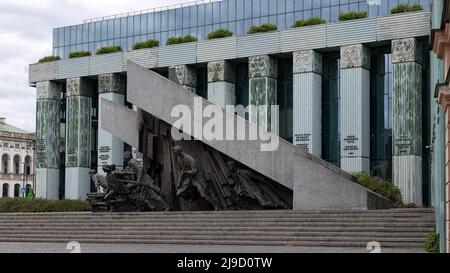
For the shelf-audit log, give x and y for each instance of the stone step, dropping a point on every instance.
(109, 233)
(406, 228)
(402, 245)
(290, 213)
(94, 228)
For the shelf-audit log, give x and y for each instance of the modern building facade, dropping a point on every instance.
(441, 149)
(16, 161)
(359, 93)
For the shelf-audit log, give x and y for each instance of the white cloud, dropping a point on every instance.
(26, 35)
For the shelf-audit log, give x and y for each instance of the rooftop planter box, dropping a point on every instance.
(217, 49)
(309, 22)
(262, 28)
(352, 15)
(108, 50)
(402, 8)
(147, 57)
(351, 32)
(147, 44)
(79, 54)
(47, 59)
(185, 53)
(258, 44)
(75, 67)
(293, 39)
(181, 40)
(220, 33)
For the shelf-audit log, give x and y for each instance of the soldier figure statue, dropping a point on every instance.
(149, 192)
(188, 176)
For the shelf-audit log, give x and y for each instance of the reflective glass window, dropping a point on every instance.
(272, 7)
(137, 25)
(208, 14)
(110, 29)
(55, 37)
(130, 25)
(264, 7)
(307, 4)
(164, 20)
(67, 36)
(231, 10)
(85, 33)
(144, 24)
(281, 21)
(224, 11)
(157, 21)
(151, 22)
(116, 28)
(186, 17)
(179, 18)
(61, 36)
(123, 27)
(79, 34)
(216, 12)
(290, 6)
(239, 9)
(281, 6)
(201, 15)
(193, 16)
(91, 32)
(104, 29)
(256, 7)
(73, 35)
(172, 20)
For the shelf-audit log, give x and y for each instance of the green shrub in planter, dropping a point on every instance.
(309, 22)
(20, 205)
(79, 54)
(108, 49)
(406, 8)
(262, 28)
(147, 44)
(432, 243)
(352, 15)
(386, 189)
(49, 59)
(181, 40)
(220, 33)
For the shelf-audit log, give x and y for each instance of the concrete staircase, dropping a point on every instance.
(405, 229)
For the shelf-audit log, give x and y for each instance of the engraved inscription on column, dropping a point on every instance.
(350, 146)
(41, 156)
(302, 141)
(104, 154)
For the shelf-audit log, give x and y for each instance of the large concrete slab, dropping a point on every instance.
(316, 183)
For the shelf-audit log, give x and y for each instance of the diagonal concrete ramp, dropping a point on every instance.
(316, 184)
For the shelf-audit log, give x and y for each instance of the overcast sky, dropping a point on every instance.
(26, 35)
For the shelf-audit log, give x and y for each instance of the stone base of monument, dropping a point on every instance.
(97, 202)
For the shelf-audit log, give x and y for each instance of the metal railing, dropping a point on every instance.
(145, 11)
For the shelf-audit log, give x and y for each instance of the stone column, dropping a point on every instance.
(307, 101)
(184, 75)
(355, 108)
(78, 138)
(407, 119)
(221, 83)
(48, 110)
(444, 101)
(263, 71)
(110, 149)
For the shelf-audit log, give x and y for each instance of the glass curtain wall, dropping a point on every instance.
(236, 15)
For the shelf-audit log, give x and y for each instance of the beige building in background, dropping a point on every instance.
(16, 161)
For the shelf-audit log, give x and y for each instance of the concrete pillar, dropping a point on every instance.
(221, 83)
(184, 75)
(48, 109)
(78, 138)
(407, 119)
(134, 150)
(355, 108)
(110, 149)
(263, 71)
(307, 100)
